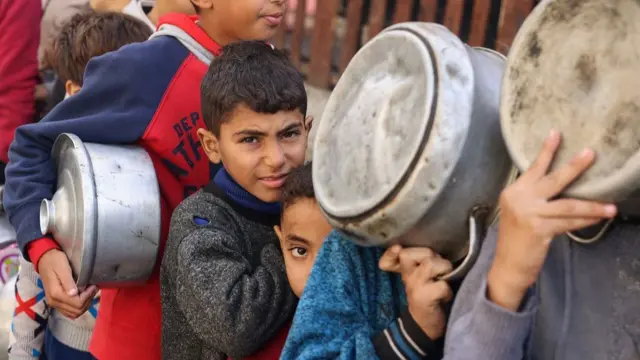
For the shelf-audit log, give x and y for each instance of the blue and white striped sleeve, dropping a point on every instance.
(405, 340)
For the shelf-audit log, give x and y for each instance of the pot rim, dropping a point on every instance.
(87, 205)
(445, 49)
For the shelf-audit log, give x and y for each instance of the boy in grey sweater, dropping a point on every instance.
(534, 293)
(224, 287)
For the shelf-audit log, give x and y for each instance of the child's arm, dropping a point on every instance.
(478, 329)
(493, 313)
(30, 320)
(231, 305)
(118, 100)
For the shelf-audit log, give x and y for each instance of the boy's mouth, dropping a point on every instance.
(273, 19)
(275, 181)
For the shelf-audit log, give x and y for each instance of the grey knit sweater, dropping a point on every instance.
(223, 281)
(585, 306)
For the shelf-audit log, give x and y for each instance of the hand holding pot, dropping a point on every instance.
(420, 268)
(60, 288)
(531, 218)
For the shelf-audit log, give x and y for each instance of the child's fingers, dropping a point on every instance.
(541, 165)
(410, 258)
(554, 183)
(435, 267)
(390, 259)
(572, 208)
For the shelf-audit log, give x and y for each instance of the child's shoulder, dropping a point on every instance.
(202, 215)
(150, 55)
(202, 207)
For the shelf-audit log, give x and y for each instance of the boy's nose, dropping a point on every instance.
(274, 156)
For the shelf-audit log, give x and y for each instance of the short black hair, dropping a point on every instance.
(298, 185)
(89, 34)
(254, 74)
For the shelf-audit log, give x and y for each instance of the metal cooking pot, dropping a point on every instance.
(105, 214)
(409, 148)
(586, 88)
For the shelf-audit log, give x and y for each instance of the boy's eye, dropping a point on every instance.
(298, 252)
(291, 133)
(249, 140)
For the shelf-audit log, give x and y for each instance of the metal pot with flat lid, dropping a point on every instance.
(573, 67)
(105, 214)
(409, 146)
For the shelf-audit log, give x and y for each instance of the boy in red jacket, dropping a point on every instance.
(145, 94)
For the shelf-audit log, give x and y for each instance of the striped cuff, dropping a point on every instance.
(404, 340)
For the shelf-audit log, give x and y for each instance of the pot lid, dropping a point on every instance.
(573, 67)
(71, 214)
(374, 124)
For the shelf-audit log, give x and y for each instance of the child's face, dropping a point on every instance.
(301, 235)
(259, 150)
(235, 20)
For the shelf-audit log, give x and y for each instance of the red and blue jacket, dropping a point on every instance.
(146, 94)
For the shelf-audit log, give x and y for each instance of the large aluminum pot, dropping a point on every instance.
(573, 67)
(409, 148)
(105, 213)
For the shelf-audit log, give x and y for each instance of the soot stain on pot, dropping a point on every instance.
(586, 71)
(534, 48)
(625, 120)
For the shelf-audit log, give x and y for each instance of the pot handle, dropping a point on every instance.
(477, 232)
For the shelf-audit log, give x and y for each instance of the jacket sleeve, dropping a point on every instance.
(404, 339)
(479, 329)
(19, 40)
(117, 102)
(231, 305)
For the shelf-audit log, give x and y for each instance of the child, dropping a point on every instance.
(144, 94)
(224, 285)
(303, 227)
(62, 337)
(536, 294)
(351, 309)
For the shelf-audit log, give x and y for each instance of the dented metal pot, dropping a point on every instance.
(105, 214)
(409, 148)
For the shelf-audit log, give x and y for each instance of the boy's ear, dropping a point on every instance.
(308, 122)
(71, 88)
(203, 4)
(278, 231)
(210, 145)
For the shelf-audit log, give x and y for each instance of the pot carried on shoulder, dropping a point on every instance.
(105, 214)
(409, 149)
(574, 67)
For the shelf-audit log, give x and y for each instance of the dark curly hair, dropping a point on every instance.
(299, 185)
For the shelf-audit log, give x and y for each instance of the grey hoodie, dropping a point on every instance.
(585, 305)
